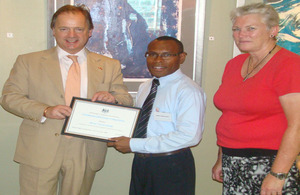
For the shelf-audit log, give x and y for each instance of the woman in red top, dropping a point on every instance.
(259, 130)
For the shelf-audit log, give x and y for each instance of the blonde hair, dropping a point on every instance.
(268, 13)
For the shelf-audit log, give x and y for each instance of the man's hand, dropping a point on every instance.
(104, 96)
(120, 143)
(58, 112)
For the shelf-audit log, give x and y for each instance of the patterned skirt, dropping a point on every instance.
(244, 175)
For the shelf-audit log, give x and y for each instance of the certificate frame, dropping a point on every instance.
(100, 120)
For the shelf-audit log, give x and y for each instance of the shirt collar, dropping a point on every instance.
(62, 55)
(168, 78)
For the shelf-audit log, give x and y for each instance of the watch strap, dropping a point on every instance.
(281, 176)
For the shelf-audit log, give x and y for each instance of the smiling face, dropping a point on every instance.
(71, 32)
(163, 66)
(251, 34)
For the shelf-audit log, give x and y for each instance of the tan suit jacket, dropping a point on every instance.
(35, 82)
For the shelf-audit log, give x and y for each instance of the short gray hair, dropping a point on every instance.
(268, 13)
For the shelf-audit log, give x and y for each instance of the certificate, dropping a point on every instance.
(100, 120)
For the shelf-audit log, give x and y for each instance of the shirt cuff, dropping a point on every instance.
(137, 145)
(43, 119)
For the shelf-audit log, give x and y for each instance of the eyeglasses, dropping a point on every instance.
(165, 55)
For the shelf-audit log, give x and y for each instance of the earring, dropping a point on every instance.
(272, 36)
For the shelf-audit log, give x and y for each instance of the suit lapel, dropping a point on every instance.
(50, 63)
(95, 69)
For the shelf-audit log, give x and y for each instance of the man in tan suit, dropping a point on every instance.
(35, 92)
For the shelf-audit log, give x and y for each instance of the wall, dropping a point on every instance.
(28, 20)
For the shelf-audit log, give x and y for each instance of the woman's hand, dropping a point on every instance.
(271, 185)
(217, 174)
(217, 171)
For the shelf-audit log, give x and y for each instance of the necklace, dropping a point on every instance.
(248, 73)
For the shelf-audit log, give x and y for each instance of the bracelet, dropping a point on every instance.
(46, 109)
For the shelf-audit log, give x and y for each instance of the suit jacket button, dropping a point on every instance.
(56, 134)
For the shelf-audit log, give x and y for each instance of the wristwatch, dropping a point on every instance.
(281, 176)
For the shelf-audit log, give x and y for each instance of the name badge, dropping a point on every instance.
(162, 116)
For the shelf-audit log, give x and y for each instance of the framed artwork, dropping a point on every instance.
(289, 32)
(123, 29)
(289, 29)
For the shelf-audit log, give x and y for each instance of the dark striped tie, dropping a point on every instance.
(141, 131)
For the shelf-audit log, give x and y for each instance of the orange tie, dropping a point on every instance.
(73, 80)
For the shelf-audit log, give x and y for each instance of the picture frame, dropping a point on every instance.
(191, 33)
(100, 121)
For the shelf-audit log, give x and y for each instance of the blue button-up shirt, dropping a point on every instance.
(177, 118)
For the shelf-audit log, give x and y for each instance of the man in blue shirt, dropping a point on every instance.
(163, 162)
